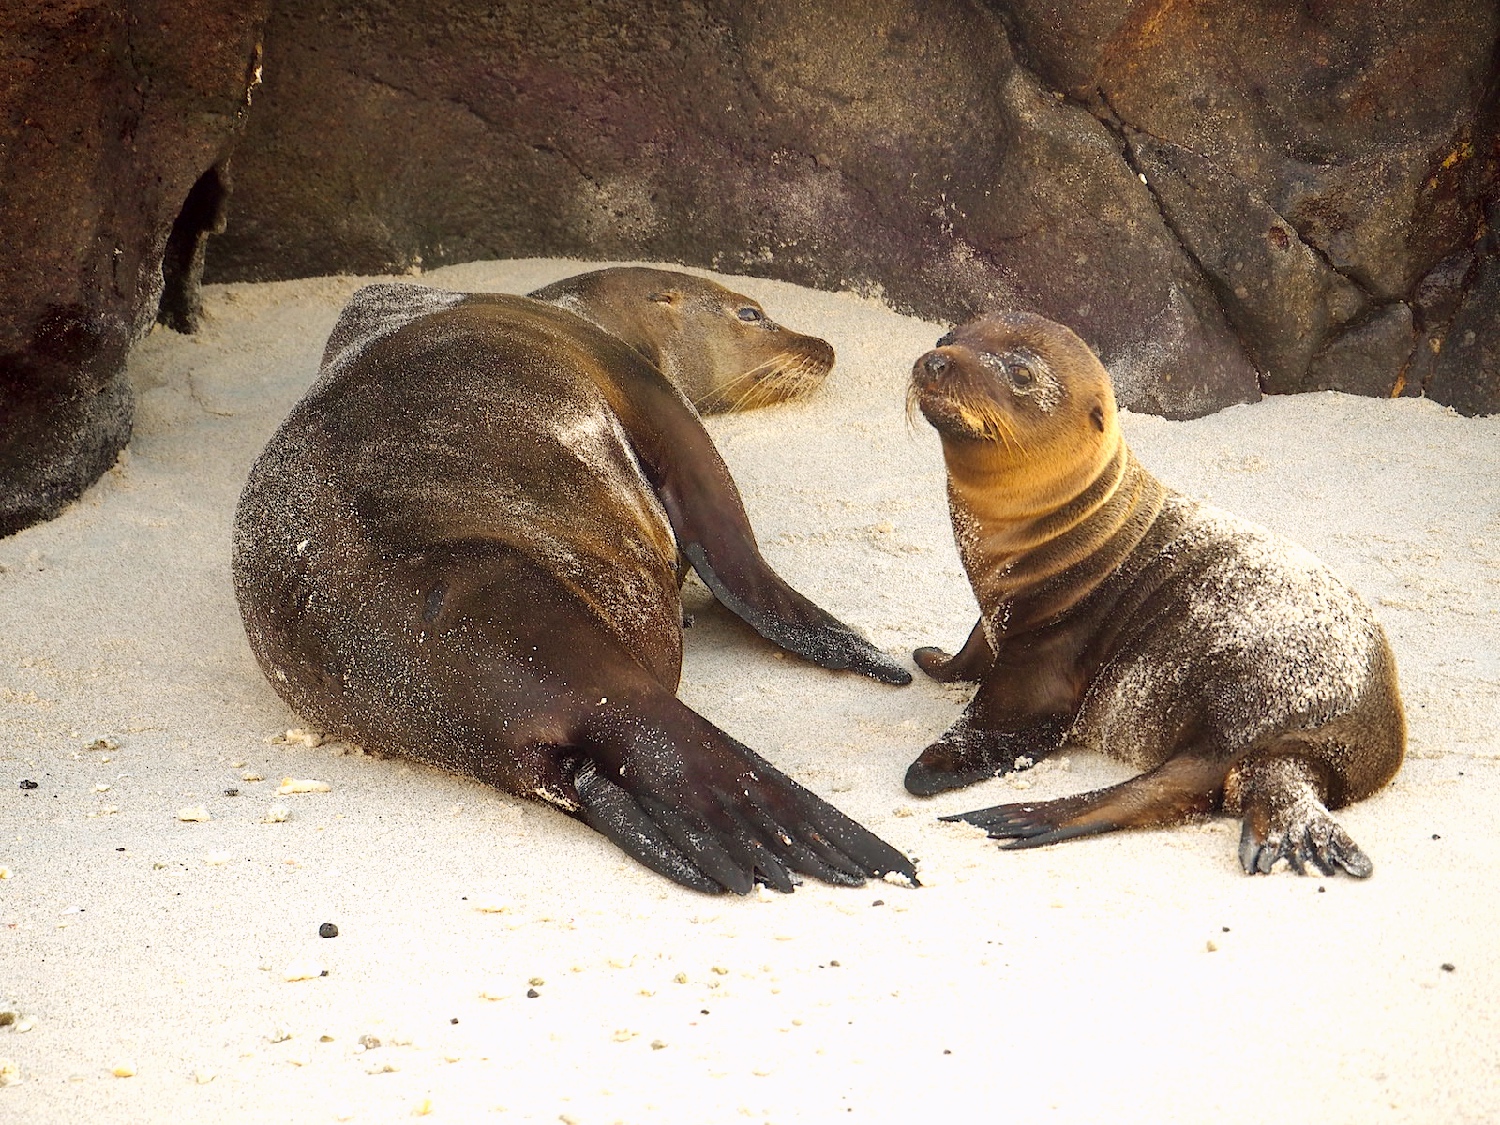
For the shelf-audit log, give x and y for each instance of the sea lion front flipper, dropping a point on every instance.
(786, 618)
(694, 804)
(968, 752)
(1176, 790)
(709, 522)
(1281, 798)
(968, 665)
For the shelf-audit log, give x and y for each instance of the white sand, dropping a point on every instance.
(1136, 977)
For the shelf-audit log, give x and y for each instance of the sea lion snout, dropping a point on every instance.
(935, 363)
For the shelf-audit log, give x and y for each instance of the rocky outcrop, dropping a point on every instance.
(895, 147)
(110, 114)
(1225, 199)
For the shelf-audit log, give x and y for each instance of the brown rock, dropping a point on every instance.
(110, 113)
(893, 147)
(1368, 358)
(1283, 299)
(1356, 122)
(1466, 374)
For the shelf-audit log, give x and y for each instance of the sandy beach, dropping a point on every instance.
(496, 960)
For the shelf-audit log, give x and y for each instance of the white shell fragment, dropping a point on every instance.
(298, 737)
(276, 814)
(301, 785)
(194, 815)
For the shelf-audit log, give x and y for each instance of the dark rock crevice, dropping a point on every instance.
(202, 214)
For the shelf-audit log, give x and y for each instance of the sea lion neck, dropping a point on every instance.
(1032, 553)
(1022, 501)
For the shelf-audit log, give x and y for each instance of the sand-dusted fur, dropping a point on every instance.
(464, 545)
(1229, 665)
(726, 353)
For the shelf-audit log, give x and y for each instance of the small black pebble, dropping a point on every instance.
(453, 1020)
(1322, 890)
(324, 973)
(834, 965)
(946, 1051)
(1225, 929)
(532, 993)
(29, 784)
(703, 1011)
(878, 902)
(1435, 836)
(1447, 966)
(328, 929)
(231, 792)
(119, 849)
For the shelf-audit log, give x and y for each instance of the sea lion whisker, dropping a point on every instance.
(736, 390)
(764, 381)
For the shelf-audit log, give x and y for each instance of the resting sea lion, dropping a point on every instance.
(1117, 615)
(463, 546)
(725, 352)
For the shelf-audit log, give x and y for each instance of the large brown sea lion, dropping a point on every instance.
(725, 352)
(1116, 615)
(463, 545)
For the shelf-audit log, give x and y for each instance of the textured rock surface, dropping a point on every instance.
(1223, 198)
(109, 114)
(895, 147)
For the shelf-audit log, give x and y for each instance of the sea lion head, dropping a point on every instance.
(1016, 395)
(718, 346)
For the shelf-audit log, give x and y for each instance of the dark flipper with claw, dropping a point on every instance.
(1173, 792)
(1285, 818)
(1319, 844)
(691, 803)
(784, 617)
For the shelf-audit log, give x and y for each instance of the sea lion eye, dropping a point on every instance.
(1021, 375)
(751, 315)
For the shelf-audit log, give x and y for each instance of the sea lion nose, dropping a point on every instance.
(936, 363)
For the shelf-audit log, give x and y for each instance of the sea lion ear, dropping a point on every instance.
(1096, 416)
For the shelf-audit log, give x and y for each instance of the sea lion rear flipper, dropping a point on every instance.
(609, 810)
(1178, 789)
(693, 804)
(1281, 798)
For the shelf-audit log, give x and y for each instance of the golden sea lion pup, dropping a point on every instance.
(725, 352)
(1116, 615)
(464, 545)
